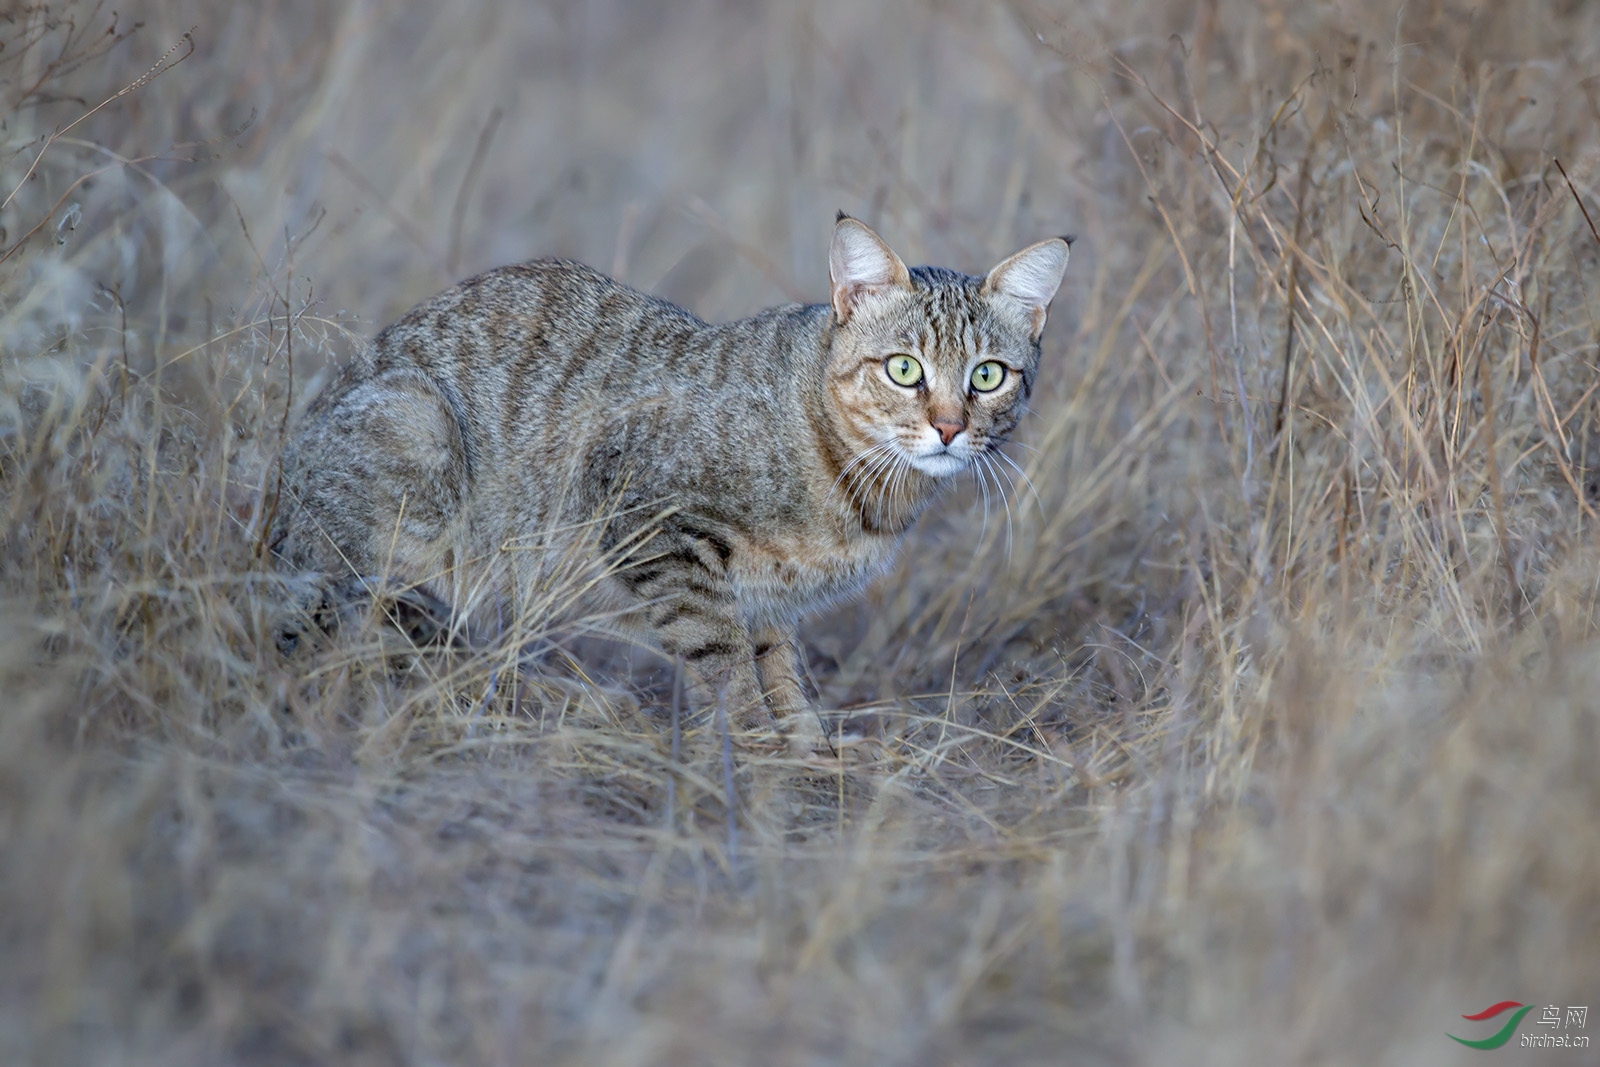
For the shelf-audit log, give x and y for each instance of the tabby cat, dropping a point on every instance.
(740, 475)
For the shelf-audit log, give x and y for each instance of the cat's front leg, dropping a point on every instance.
(690, 606)
(718, 651)
(778, 668)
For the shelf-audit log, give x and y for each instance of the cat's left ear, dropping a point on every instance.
(1032, 277)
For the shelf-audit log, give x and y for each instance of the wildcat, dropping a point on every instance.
(740, 475)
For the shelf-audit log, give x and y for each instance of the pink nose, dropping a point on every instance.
(948, 427)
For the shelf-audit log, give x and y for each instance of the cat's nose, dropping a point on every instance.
(948, 427)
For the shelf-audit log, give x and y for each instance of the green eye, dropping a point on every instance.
(903, 370)
(986, 377)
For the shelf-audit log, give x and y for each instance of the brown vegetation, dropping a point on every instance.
(1260, 724)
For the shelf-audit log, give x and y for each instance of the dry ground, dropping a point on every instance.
(1262, 728)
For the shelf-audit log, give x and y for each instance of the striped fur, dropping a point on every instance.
(729, 478)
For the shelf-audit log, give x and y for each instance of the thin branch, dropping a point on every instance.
(1579, 199)
(161, 67)
(458, 213)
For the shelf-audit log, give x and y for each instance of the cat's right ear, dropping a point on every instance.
(860, 263)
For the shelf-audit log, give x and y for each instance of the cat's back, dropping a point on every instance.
(521, 355)
(550, 318)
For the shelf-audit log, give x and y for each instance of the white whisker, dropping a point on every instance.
(877, 472)
(880, 478)
(1004, 499)
(1037, 502)
(902, 477)
(983, 486)
(855, 461)
(981, 475)
(896, 477)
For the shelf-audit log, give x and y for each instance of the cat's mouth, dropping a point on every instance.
(941, 461)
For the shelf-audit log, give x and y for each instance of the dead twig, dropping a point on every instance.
(161, 67)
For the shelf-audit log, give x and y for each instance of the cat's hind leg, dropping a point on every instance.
(326, 604)
(377, 481)
(372, 501)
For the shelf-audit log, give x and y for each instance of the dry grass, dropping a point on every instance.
(1266, 731)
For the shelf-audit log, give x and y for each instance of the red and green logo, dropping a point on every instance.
(1504, 1033)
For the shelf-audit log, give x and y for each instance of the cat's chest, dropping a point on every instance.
(783, 577)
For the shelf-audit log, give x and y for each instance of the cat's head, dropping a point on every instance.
(932, 366)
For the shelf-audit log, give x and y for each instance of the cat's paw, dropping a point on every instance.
(808, 741)
(803, 735)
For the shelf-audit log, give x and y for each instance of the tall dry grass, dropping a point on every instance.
(1257, 724)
